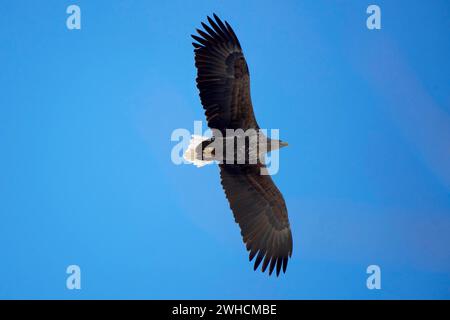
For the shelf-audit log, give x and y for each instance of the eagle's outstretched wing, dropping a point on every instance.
(260, 210)
(223, 78)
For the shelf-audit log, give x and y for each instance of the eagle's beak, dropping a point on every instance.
(283, 144)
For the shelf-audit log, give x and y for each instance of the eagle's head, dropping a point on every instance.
(274, 144)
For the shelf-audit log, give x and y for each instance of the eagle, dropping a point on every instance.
(258, 206)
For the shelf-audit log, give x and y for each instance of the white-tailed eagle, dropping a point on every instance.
(258, 206)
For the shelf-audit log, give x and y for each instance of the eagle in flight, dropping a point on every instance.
(258, 206)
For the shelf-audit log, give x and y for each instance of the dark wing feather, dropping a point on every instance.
(260, 210)
(223, 78)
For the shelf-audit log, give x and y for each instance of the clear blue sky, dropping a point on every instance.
(86, 176)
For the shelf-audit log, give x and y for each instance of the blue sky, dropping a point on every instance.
(86, 175)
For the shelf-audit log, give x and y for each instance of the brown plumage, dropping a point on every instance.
(258, 206)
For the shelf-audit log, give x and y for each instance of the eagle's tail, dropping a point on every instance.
(198, 156)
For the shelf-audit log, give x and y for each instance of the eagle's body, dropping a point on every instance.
(240, 147)
(258, 206)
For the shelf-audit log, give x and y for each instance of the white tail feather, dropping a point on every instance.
(191, 156)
